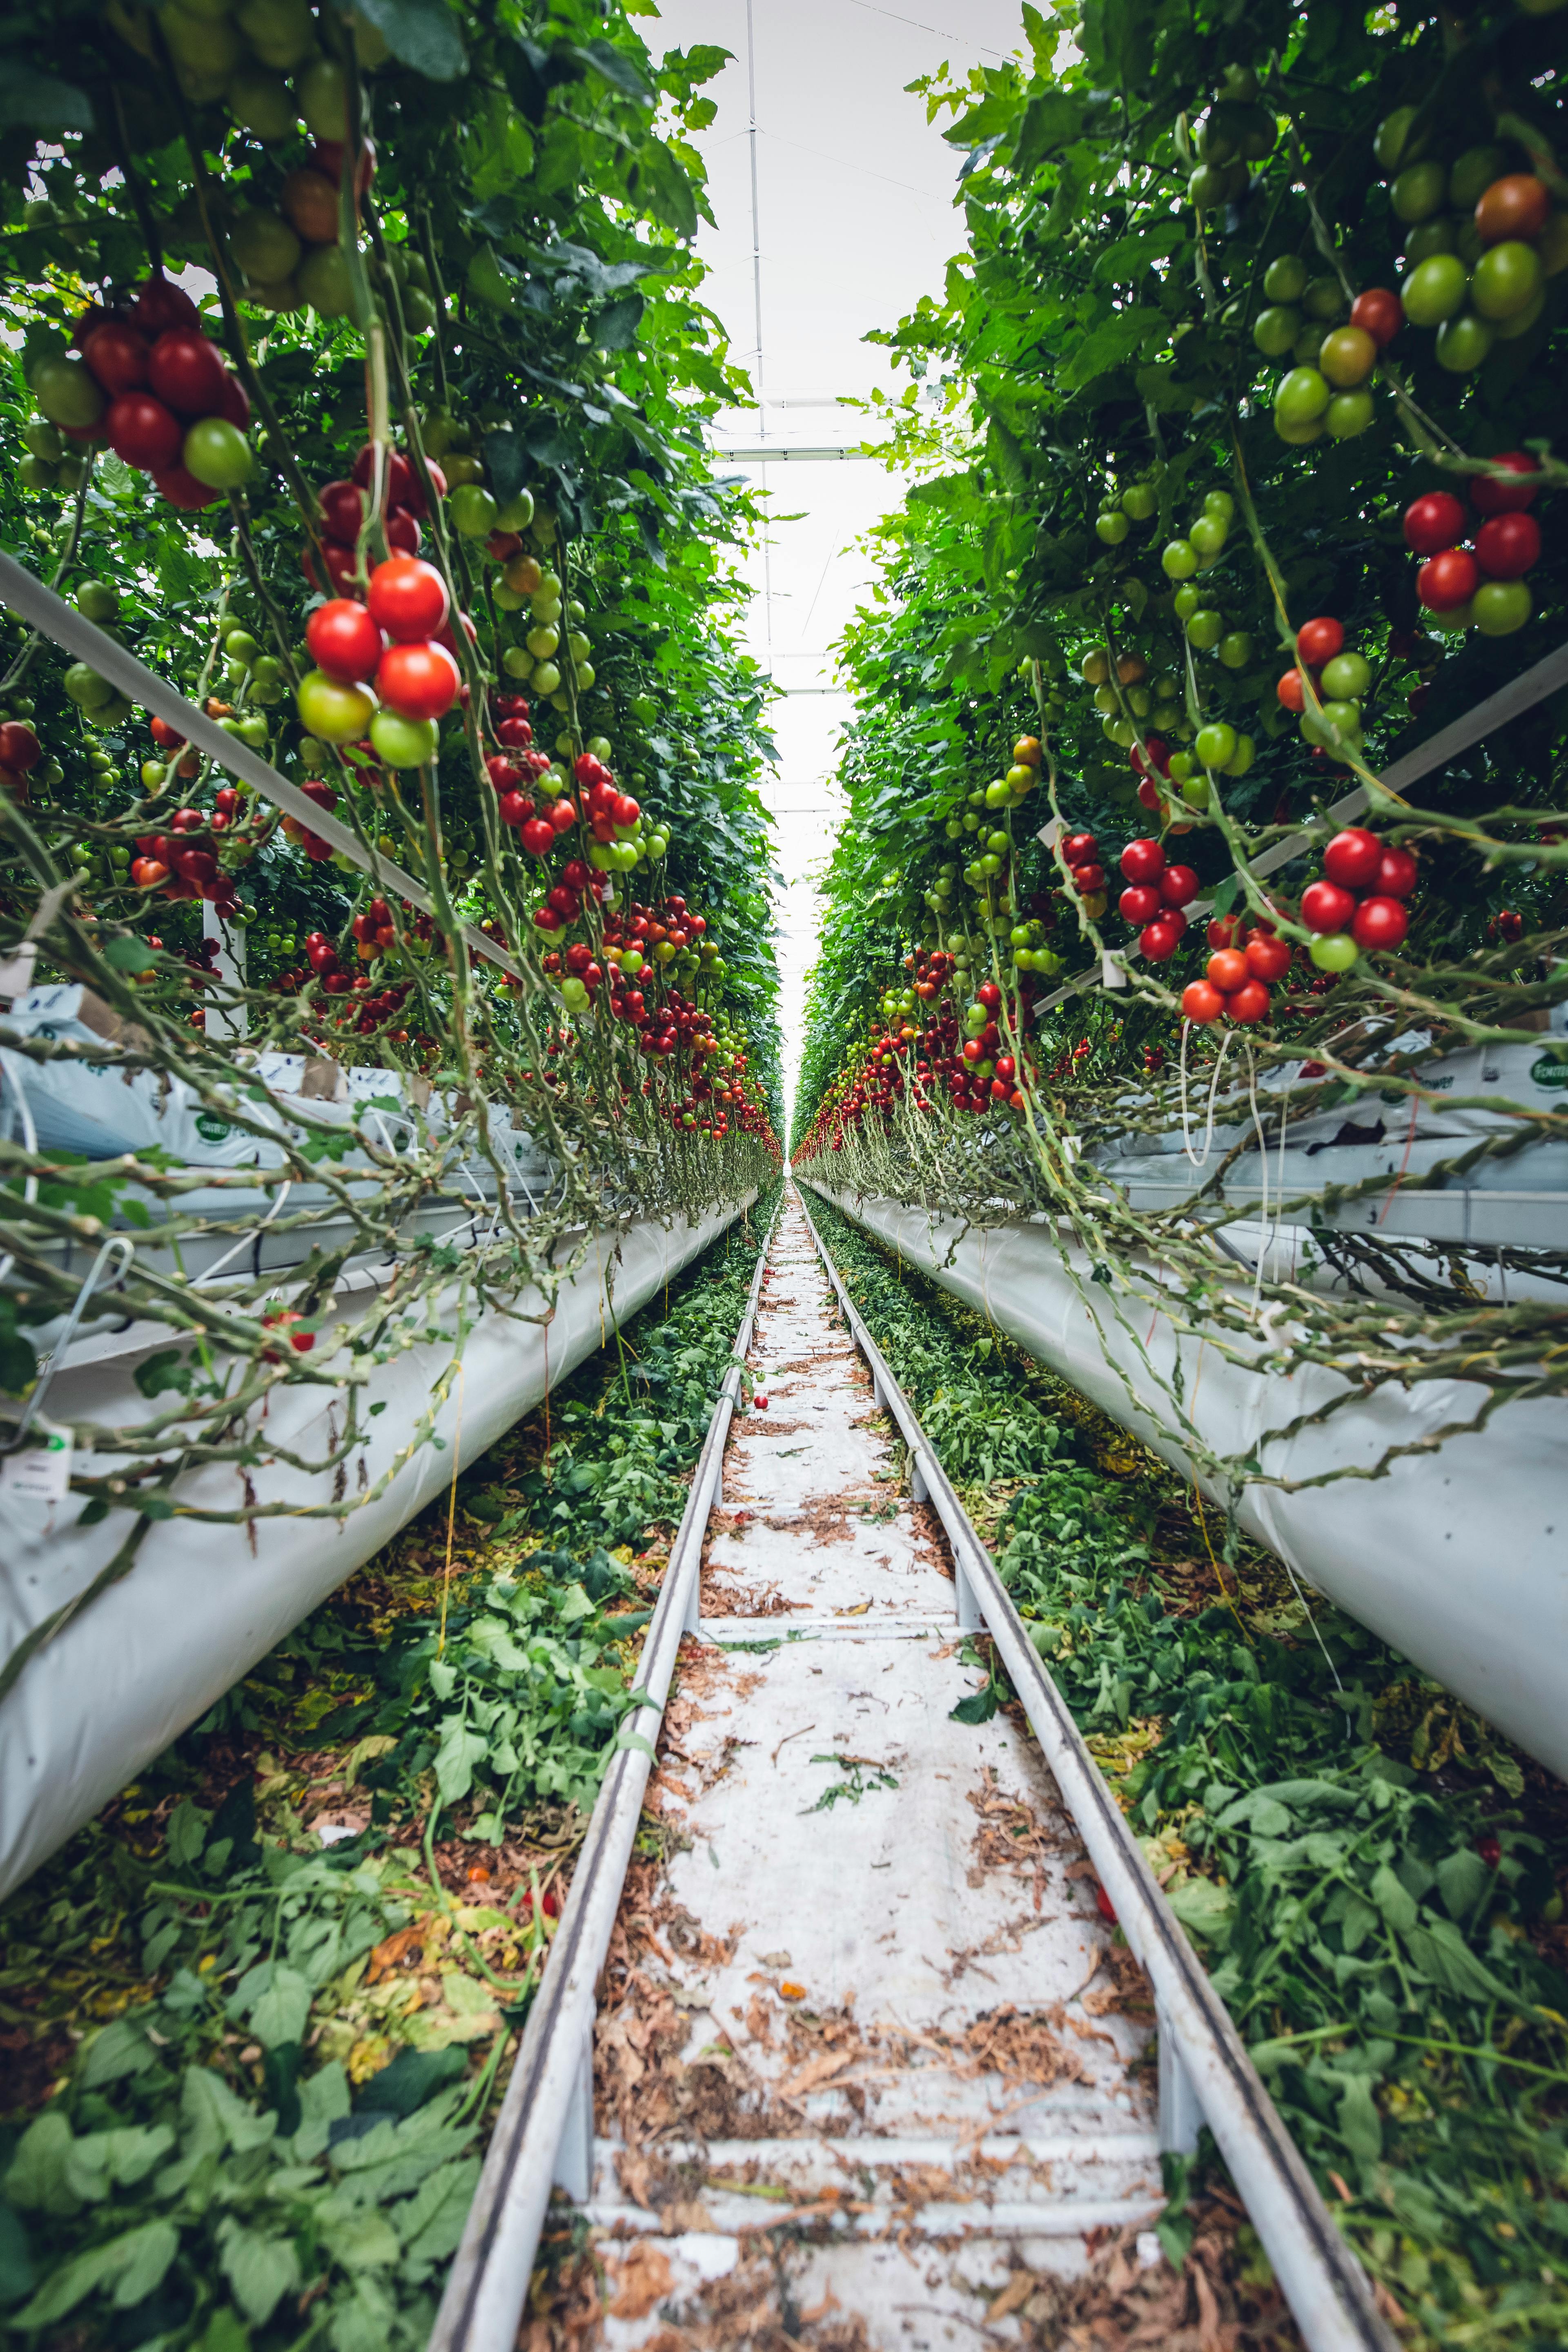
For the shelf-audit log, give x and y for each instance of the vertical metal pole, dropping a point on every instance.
(971, 1616)
(575, 2156)
(919, 1491)
(757, 309)
(1181, 2114)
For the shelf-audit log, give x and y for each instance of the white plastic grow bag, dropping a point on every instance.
(152, 1653)
(1458, 1558)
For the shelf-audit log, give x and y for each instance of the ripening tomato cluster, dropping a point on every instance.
(20, 751)
(1249, 959)
(1340, 681)
(386, 665)
(1155, 897)
(182, 863)
(1080, 855)
(317, 849)
(152, 385)
(1359, 904)
(1474, 575)
(342, 505)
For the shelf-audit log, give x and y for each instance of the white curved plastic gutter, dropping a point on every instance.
(1458, 1555)
(202, 1603)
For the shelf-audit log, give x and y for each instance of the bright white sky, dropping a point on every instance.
(855, 203)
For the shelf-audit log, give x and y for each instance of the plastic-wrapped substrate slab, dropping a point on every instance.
(1458, 1557)
(202, 1603)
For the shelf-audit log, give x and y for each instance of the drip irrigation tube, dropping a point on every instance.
(1205, 2071)
(545, 2131)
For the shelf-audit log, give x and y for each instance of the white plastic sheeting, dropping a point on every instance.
(201, 1605)
(1459, 1556)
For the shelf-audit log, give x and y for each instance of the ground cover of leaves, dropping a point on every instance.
(1375, 1878)
(246, 2069)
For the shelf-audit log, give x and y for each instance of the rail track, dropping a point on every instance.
(842, 2037)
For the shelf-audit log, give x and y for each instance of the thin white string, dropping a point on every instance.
(1263, 1178)
(1214, 1090)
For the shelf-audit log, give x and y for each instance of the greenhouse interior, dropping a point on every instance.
(838, 743)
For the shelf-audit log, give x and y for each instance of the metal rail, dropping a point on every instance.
(544, 2134)
(1205, 2074)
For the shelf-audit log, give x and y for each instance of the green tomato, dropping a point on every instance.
(1209, 187)
(1435, 290)
(151, 773)
(1121, 733)
(1438, 235)
(1333, 951)
(97, 600)
(574, 992)
(1308, 343)
(1220, 504)
(1473, 175)
(1207, 537)
(1455, 622)
(1242, 758)
(997, 794)
(261, 103)
(517, 662)
(1215, 743)
(1167, 687)
(1392, 133)
(1342, 717)
(1348, 413)
(1464, 342)
(1140, 701)
(1181, 766)
(330, 713)
(112, 713)
(241, 646)
(543, 642)
(67, 390)
(516, 515)
(1105, 700)
(1112, 528)
(1138, 500)
(1235, 650)
(1507, 279)
(252, 728)
(473, 513)
(1205, 630)
(36, 474)
(1418, 191)
(1187, 600)
(404, 743)
(1509, 330)
(1285, 279)
(1179, 560)
(1323, 299)
(999, 841)
(1195, 792)
(265, 247)
(41, 440)
(1300, 397)
(1275, 330)
(217, 452)
(324, 282)
(86, 688)
(323, 91)
(1500, 606)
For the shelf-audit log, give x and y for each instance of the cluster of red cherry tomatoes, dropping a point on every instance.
(1155, 897)
(1483, 580)
(391, 641)
(1249, 957)
(168, 403)
(342, 512)
(1080, 855)
(182, 863)
(1363, 893)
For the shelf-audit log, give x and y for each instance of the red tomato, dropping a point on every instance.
(1200, 1003)
(164, 735)
(1149, 796)
(403, 532)
(1434, 522)
(417, 680)
(143, 432)
(160, 305)
(1249, 1003)
(1078, 849)
(1226, 970)
(342, 510)
(399, 474)
(1378, 313)
(1397, 874)
(538, 836)
(327, 157)
(627, 812)
(416, 501)
(235, 407)
(1488, 1845)
(505, 774)
(1160, 939)
(1143, 860)
(1448, 581)
(1267, 958)
(1103, 1903)
(563, 816)
(1088, 879)
(408, 598)
(1507, 545)
(1351, 858)
(182, 489)
(1319, 641)
(1514, 206)
(117, 355)
(515, 733)
(345, 641)
(514, 809)
(188, 373)
(1140, 904)
(1179, 885)
(20, 749)
(1290, 692)
(1489, 496)
(1380, 924)
(1325, 906)
(1158, 761)
(340, 566)
(1222, 932)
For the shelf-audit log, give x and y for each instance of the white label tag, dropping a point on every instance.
(39, 1473)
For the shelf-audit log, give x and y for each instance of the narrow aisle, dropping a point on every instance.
(864, 2047)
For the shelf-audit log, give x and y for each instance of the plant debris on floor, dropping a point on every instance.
(1374, 1877)
(254, 2018)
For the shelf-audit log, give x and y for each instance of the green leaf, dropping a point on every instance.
(360, 2240)
(665, 189)
(459, 1751)
(215, 2117)
(260, 2269)
(431, 2222)
(506, 464)
(1203, 1908)
(129, 954)
(1440, 1952)
(283, 2011)
(615, 328)
(37, 2179)
(978, 1708)
(167, 1370)
(188, 1827)
(140, 2255)
(1112, 344)
(1360, 2125)
(1393, 1898)
(618, 70)
(1463, 1880)
(1050, 118)
(40, 101)
(421, 33)
(122, 2048)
